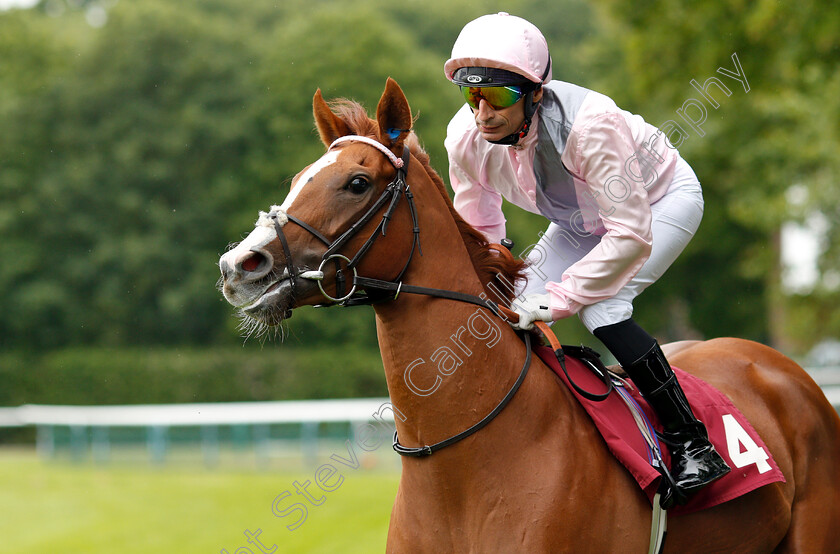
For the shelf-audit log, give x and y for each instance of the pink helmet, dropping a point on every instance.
(502, 41)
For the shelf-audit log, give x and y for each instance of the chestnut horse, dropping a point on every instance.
(538, 478)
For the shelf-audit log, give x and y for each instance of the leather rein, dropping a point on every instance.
(377, 290)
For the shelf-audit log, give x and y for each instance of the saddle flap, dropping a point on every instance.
(732, 435)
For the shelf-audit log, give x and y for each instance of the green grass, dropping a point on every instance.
(60, 507)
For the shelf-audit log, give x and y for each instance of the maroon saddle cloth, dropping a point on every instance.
(730, 432)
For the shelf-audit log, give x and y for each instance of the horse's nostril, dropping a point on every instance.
(252, 263)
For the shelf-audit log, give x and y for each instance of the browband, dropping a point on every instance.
(398, 163)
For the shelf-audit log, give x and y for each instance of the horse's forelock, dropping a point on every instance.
(355, 116)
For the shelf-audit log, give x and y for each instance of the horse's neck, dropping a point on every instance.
(447, 363)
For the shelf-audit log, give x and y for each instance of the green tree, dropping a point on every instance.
(120, 165)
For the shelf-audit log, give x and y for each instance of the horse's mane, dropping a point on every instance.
(498, 273)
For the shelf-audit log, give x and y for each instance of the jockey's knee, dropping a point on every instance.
(606, 312)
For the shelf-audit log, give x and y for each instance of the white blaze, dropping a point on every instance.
(264, 232)
(325, 160)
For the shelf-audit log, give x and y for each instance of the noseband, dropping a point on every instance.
(390, 197)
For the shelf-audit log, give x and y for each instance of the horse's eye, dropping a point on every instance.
(358, 185)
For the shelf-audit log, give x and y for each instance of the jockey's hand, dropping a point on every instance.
(534, 307)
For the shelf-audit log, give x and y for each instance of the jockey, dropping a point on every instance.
(621, 202)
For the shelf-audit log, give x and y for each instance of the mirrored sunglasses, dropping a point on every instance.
(497, 97)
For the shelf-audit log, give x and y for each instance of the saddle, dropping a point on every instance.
(629, 427)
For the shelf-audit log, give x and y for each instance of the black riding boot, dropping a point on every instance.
(694, 461)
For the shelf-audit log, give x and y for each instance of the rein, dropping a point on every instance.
(392, 289)
(423, 451)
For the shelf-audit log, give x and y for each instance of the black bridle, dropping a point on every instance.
(390, 197)
(377, 290)
(385, 290)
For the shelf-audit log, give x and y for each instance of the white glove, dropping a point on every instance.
(534, 307)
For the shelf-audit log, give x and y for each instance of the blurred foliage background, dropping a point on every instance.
(138, 139)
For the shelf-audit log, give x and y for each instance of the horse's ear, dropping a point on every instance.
(393, 116)
(329, 125)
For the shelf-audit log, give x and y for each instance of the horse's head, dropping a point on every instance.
(300, 252)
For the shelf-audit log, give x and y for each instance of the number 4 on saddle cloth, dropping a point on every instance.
(729, 431)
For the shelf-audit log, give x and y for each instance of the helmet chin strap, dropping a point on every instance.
(530, 109)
